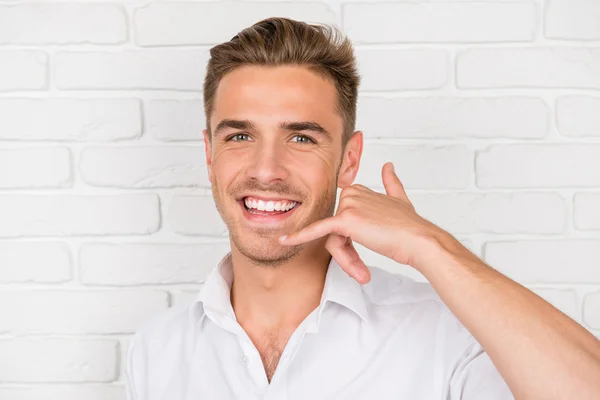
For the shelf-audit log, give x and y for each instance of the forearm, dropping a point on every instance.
(540, 352)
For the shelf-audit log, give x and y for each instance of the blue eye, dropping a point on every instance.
(236, 135)
(306, 137)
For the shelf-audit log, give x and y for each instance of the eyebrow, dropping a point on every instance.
(288, 126)
(234, 124)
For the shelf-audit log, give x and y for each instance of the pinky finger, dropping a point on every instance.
(342, 249)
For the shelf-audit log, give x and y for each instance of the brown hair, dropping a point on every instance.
(283, 41)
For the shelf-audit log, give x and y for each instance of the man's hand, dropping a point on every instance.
(540, 352)
(387, 224)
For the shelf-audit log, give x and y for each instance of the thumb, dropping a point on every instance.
(391, 182)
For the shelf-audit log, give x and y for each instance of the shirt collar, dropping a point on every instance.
(339, 288)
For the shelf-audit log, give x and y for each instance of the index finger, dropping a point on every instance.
(314, 231)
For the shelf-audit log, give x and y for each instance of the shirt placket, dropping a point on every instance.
(249, 358)
(278, 390)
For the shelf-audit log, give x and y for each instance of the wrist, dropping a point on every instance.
(433, 244)
(439, 249)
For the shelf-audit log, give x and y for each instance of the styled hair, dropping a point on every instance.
(282, 41)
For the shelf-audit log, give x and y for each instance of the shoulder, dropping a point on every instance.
(159, 342)
(159, 346)
(405, 301)
(386, 288)
(173, 324)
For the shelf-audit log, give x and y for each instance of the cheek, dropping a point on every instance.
(222, 174)
(320, 180)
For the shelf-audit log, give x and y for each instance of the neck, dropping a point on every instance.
(274, 298)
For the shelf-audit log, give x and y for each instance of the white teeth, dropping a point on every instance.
(269, 205)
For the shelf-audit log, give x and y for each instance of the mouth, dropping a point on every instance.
(264, 211)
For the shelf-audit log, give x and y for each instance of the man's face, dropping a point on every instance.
(276, 145)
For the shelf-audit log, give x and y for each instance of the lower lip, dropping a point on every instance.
(274, 219)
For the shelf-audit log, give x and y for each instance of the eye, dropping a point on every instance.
(236, 135)
(310, 140)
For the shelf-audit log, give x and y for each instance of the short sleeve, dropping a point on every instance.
(476, 377)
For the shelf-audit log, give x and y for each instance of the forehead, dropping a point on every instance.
(269, 95)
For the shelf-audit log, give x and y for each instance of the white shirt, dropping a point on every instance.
(392, 338)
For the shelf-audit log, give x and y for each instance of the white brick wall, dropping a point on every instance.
(58, 360)
(490, 111)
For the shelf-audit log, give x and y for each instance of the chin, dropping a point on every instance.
(265, 251)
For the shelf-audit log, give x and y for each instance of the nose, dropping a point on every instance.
(268, 163)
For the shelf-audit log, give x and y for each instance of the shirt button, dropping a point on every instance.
(245, 359)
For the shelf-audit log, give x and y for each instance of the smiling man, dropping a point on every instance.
(292, 312)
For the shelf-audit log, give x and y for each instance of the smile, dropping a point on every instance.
(267, 211)
(254, 204)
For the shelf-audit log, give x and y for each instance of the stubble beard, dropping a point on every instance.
(260, 246)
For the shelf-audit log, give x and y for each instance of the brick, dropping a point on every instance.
(523, 212)
(572, 20)
(148, 263)
(64, 392)
(418, 167)
(23, 70)
(195, 215)
(440, 22)
(35, 167)
(59, 215)
(131, 69)
(78, 312)
(453, 117)
(70, 119)
(399, 69)
(144, 167)
(532, 67)
(563, 299)
(591, 310)
(546, 261)
(57, 360)
(62, 24)
(125, 342)
(538, 165)
(586, 211)
(173, 120)
(23, 262)
(578, 116)
(164, 24)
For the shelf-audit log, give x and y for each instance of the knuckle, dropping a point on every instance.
(350, 213)
(358, 186)
(346, 191)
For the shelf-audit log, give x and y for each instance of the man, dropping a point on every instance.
(292, 312)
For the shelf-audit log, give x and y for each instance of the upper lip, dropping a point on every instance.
(266, 198)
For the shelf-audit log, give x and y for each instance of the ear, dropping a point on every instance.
(350, 160)
(208, 153)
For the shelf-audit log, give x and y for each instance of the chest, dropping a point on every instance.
(342, 359)
(316, 366)
(270, 346)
